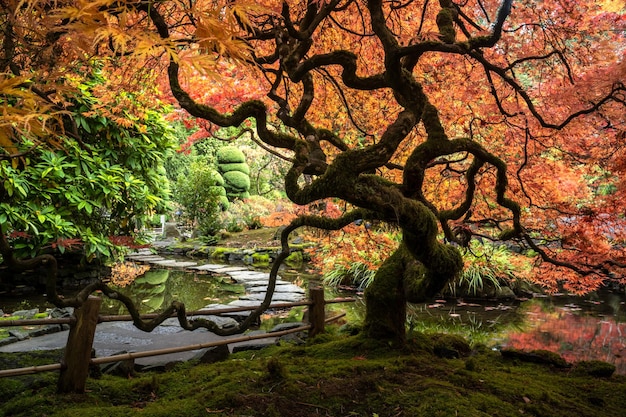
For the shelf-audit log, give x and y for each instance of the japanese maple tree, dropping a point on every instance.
(501, 119)
(442, 119)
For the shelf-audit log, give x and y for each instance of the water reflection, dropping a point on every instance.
(156, 289)
(584, 330)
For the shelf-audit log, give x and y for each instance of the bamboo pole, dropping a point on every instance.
(30, 370)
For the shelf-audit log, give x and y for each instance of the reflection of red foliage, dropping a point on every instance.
(127, 241)
(575, 337)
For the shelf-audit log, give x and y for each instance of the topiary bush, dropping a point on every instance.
(239, 166)
(231, 163)
(236, 181)
(230, 155)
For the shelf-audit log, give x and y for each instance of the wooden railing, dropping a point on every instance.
(77, 357)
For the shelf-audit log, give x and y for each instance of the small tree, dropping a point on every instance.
(201, 194)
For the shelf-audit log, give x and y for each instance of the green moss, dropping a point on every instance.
(219, 254)
(595, 368)
(450, 346)
(445, 23)
(294, 260)
(260, 259)
(336, 376)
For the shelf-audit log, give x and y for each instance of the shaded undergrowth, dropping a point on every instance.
(336, 376)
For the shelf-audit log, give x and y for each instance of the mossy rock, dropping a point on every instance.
(450, 346)
(595, 368)
(219, 254)
(237, 180)
(230, 155)
(545, 357)
(259, 259)
(294, 259)
(240, 166)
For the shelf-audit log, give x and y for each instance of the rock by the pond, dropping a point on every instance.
(213, 354)
(170, 230)
(257, 344)
(124, 368)
(26, 314)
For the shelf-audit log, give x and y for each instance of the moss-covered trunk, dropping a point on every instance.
(399, 280)
(385, 302)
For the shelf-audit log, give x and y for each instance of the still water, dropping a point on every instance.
(577, 328)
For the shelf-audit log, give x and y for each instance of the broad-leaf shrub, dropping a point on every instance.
(106, 184)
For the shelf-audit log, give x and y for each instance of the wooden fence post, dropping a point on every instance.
(77, 355)
(317, 313)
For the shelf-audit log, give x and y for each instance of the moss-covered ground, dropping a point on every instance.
(331, 376)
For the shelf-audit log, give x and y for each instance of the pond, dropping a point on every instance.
(153, 292)
(577, 328)
(156, 289)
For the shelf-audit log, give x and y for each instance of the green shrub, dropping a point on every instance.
(201, 198)
(486, 268)
(236, 181)
(230, 155)
(240, 166)
(246, 213)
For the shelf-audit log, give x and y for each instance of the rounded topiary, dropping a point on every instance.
(218, 190)
(239, 166)
(236, 181)
(217, 178)
(235, 171)
(230, 155)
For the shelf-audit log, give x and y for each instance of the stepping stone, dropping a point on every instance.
(237, 315)
(230, 269)
(244, 303)
(277, 296)
(173, 263)
(277, 289)
(146, 258)
(263, 283)
(144, 252)
(210, 267)
(249, 275)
